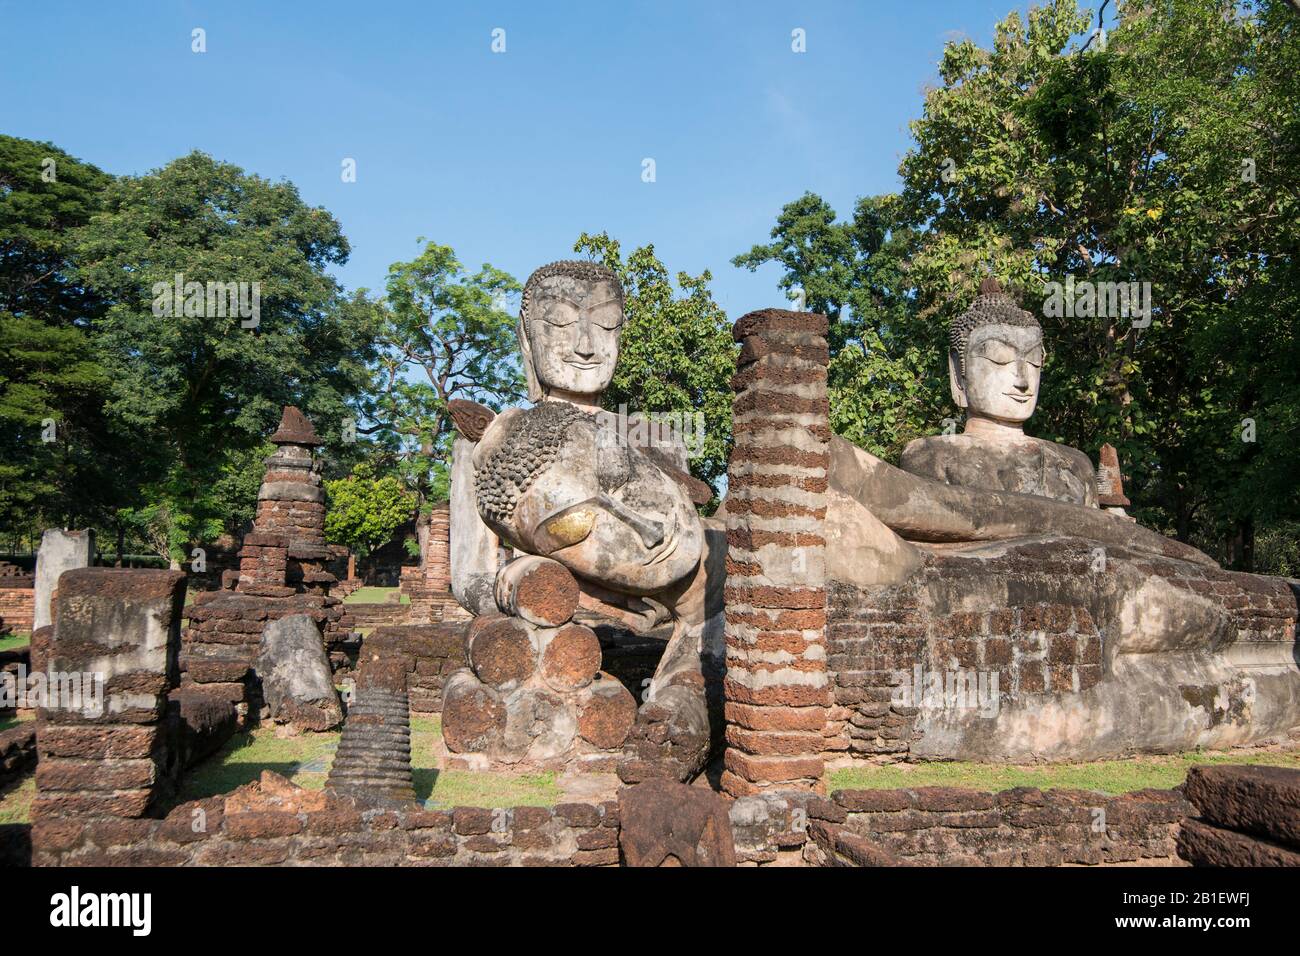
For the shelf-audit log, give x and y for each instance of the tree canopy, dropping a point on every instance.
(1161, 152)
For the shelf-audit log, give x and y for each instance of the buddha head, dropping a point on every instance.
(570, 320)
(995, 358)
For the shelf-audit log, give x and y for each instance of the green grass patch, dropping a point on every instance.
(464, 788)
(11, 642)
(371, 595)
(1107, 776)
(16, 802)
(306, 760)
(13, 720)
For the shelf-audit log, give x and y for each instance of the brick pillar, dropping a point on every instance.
(108, 755)
(437, 557)
(777, 689)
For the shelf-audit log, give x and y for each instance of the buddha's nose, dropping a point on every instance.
(583, 347)
(1022, 377)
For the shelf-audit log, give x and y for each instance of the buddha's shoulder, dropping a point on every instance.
(1077, 461)
(923, 454)
(527, 432)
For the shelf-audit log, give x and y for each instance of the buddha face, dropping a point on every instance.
(1003, 366)
(573, 331)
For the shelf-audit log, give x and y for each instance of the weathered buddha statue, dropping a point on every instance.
(995, 363)
(986, 556)
(562, 480)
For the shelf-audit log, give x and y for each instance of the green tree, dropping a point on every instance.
(58, 462)
(1164, 154)
(444, 333)
(365, 509)
(676, 354)
(194, 385)
(885, 382)
(1162, 151)
(47, 194)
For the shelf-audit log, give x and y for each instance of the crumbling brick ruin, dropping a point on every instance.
(285, 567)
(1244, 816)
(428, 584)
(105, 740)
(106, 776)
(17, 599)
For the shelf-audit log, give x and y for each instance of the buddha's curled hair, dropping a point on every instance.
(530, 444)
(991, 307)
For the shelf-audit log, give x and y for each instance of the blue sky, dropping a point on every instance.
(506, 157)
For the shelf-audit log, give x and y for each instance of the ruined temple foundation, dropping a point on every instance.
(115, 755)
(285, 567)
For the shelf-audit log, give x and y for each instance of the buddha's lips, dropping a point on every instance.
(582, 365)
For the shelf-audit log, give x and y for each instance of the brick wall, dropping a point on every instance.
(1044, 613)
(883, 649)
(435, 651)
(111, 755)
(17, 606)
(949, 826)
(274, 823)
(376, 615)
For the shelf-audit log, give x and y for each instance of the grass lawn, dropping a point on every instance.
(1108, 776)
(13, 720)
(464, 788)
(370, 595)
(306, 761)
(16, 801)
(15, 640)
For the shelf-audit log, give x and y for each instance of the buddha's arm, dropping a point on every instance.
(473, 544)
(919, 509)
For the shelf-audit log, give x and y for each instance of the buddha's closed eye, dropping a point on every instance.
(999, 353)
(563, 313)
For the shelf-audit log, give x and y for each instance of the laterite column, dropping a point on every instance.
(777, 689)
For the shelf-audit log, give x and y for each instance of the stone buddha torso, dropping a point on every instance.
(1028, 466)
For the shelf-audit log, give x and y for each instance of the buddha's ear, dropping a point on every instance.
(535, 393)
(956, 381)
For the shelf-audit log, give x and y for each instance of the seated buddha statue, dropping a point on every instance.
(564, 480)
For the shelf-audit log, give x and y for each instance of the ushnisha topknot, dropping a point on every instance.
(991, 307)
(573, 268)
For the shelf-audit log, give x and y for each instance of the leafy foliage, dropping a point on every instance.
(365, 510)
(51, 382)
(886, 385)
(1164, 152)
(676, 354)
(443, 333)
(195, 390)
